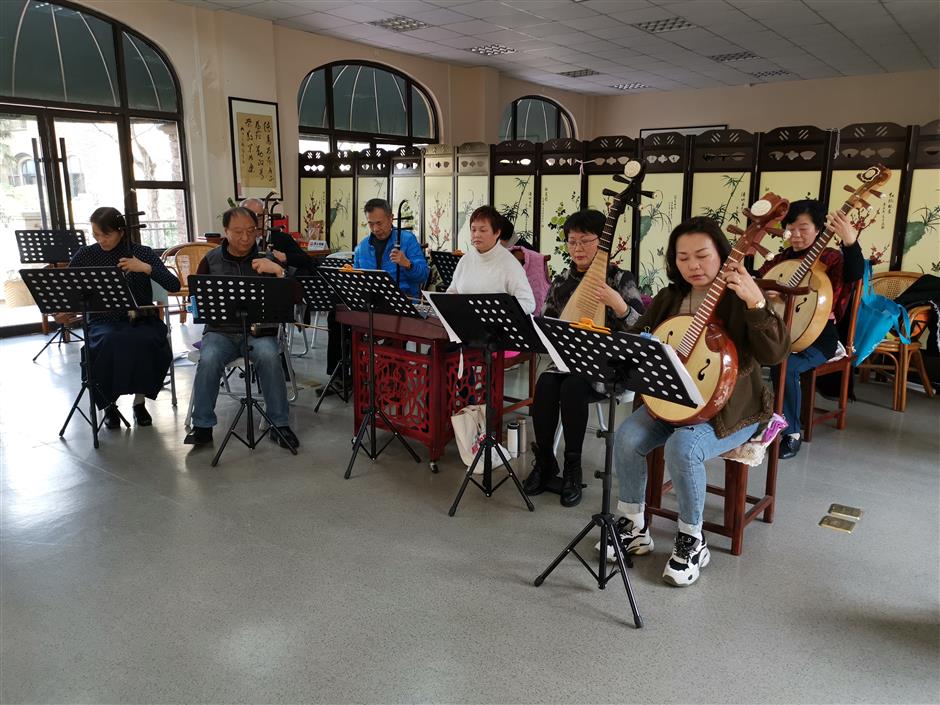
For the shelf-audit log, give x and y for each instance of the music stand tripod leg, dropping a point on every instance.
(55, 336)
(467, 479)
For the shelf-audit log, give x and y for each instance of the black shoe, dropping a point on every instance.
(789, 446)
(142, 416)
(112, 417)
(544, 469)
(199, 436)
(286, 437)
(571, 488)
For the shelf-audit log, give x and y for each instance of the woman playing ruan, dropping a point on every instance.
(129, 357)
(696, 251)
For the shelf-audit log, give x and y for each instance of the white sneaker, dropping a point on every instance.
(689, 556)
(637, 542)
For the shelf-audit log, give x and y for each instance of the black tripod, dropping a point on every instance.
(85, 289)
(249, 404)
(605, 520)
(487, 445)
(373, 410)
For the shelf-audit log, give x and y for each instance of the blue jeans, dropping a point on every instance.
(797, 364)
(687, 449)
(217, 350)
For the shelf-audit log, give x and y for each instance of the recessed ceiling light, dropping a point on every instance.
(629, 86)
(400, 24)
(737, 56)
(580, 72)
(776, 73)
(670, 24)
(492, 50)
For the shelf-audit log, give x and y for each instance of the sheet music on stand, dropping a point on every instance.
(479, 320)
(654, 368)
(318, 295)
(222, 298)
(48, 246)
(361, 289)
(446, 263)
(79, 289)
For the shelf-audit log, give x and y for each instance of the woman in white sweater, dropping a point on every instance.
(488, 268)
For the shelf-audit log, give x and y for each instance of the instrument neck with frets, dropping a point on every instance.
(584, 303)
(874, 176)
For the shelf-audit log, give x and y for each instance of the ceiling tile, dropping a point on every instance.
(320, 20)
(642, 15)
(473, 27)
(608, 6)
(272, 10)
(592, 22)
(360, 12)
(547, 29)
(440, 16)
(408, 8)
(433, 34)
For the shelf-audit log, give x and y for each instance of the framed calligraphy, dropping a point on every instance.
(256, 157)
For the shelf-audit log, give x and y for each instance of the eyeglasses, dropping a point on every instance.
(581, 243)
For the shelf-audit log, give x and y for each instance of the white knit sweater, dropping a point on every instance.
(493, 272)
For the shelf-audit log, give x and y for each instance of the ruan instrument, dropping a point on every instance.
(702, 344)
(810, 312)
(584, 302)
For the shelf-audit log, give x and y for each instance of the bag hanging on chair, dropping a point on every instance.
(469, 429)
(877, 316)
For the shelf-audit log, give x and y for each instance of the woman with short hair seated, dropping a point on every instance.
(128, 356)
(489, 268)
(570, 394)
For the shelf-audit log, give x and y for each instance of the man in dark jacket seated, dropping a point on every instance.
(238, 255)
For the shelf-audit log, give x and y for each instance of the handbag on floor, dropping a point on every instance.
(469, 429)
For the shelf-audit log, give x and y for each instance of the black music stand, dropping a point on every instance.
(371, 291)
(50, 247)
(221, 299)
(446, 263)
(81, 289)
(493, 323)
(319, 296)
(638, 363)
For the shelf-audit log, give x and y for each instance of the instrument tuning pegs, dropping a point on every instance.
(734, 230)
(848, 188)
(864, 203)
(775, 231)
(620, 178)
(648, 194)
(611, 192)
(760, 249)
(876, 194)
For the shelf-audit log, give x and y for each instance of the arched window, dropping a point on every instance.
(360, 105)
(535, 119)
(27, 172)
(107, 92)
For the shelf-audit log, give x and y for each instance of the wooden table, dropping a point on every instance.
(419, 391)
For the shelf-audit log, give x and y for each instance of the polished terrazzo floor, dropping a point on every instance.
(138, 573)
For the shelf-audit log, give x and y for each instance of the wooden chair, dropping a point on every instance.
(184, 260)
(736, 514)
(516, 361)
(810, 414)
(891, 356)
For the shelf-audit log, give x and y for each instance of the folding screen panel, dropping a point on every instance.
(515, 164)
(607, 156)
(920, 246)
(722, 164)
(666, 156)
(313, 196)
(561, 196)
(473, 186)
(439, 170)
(341, 218)
(862, 145)
(372, 167)
(793, 162)
(407, 187)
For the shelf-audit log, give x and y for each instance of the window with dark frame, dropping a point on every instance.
(363, 105)
(535, 118)
(71, 58)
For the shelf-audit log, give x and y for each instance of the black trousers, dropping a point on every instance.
(568, 394)
(334, 348)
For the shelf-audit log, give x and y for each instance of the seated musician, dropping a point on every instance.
(694, 256)
(238, 255)
(570, 393)
(805, 221)
(533, 262)
(395, 250)
(281, 245)
(129, 356)
(488, 268)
